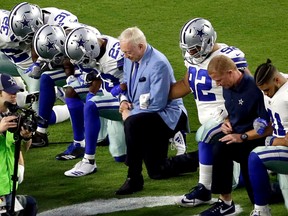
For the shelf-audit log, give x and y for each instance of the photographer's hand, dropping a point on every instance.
(7, 122)
(27, 137)
(26, 134)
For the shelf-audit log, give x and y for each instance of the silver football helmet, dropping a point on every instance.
(48, 43)
(82, 46)
(24, 20)
(74, 25)
(197, 38)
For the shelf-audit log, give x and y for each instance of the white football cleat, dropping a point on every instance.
(178, 142)
(82, 168)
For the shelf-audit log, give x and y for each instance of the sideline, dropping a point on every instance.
(101, 206)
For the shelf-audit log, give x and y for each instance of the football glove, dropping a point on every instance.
(91, 76)
(259, 125)
(34, 71)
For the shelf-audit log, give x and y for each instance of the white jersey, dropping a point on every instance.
(4, 30)
(18, 52)
(111, 63)
(207, 94)
(78, 25)
(55, 16)
(277, 107)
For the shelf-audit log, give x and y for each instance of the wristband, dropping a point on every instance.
(21, 170)
(269, 140)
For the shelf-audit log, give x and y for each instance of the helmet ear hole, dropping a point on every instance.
(92, 47)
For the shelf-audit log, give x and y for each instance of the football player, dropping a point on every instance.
(16, 57)
(101, 58)
(24, 20)
(274, 155)
(48, 43)
(15, 52)
(198, 44)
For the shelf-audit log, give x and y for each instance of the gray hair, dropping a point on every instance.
(133, 35)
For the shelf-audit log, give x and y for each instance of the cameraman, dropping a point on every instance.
(8, 90)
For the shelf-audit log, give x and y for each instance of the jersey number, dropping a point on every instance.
(280, 131)
(114, 51)
(5, 26)
(60, 18)
(200, 83)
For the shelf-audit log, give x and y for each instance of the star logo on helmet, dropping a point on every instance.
(50, 44)
(25, 22)
(81, 42)
(12, 81)
(200, 33)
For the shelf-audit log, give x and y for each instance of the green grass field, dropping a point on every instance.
(259, 28)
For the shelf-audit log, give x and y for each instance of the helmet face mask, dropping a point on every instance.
(48, 43)
(82, 46)
(197, 39)
(58, 59)
(84, 59)
(28, 38)
(24, 20)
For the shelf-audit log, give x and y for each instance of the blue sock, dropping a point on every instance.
(259, 180)
(76, 106)
(205, 153)
(46, 99)
(92, 127)
(52, 119)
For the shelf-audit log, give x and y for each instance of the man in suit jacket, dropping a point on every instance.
(150, 118)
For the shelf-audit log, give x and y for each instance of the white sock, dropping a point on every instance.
(61, 113)
(205, 175)
(261, 208)
(228, 202)
(82, 143)
(42, 130)
(89, 157)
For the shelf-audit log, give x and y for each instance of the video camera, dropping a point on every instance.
(26, 117)
(25, 99)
